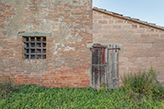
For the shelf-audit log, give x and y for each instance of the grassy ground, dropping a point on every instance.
(139, 91)
(38, 97)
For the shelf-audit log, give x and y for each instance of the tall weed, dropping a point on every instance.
(143, 84)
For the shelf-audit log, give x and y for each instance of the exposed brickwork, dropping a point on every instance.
(68, 58)
(142, 46)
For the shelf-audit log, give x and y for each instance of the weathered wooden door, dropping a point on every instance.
(104, 65)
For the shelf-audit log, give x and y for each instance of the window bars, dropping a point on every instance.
(34, 47)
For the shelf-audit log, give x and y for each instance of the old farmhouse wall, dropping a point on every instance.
(64, 23)
(142, 44)
(60, 31)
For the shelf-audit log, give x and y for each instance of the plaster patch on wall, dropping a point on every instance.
(88, 72)
(38, 66)
(58, 46)
(79, 2)
(69, 48)
(1, 47)
(64, 34)
(10, 1)
(59, 36)
(14, 24)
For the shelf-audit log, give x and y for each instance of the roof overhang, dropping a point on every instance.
(104, 11)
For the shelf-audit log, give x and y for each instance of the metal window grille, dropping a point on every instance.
(34, 47)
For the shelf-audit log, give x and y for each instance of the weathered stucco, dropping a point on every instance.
(68, 22)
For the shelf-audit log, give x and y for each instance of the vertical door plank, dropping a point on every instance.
(94, 80)
(117, 66)
(113, 66)
(109, 67)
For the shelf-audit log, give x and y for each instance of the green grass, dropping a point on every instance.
(140, 91)
(38, 97)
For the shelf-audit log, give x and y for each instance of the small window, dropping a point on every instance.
(34, 47)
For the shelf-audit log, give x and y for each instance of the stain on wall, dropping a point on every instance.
(68, 22)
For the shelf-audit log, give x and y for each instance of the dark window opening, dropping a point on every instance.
(34, 47)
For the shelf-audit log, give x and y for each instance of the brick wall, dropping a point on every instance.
(68, 61)
(142, 46)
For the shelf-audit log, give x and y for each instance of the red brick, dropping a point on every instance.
(137, 54)
(138, 45)
(87, 81)
(162, 35)
(60, 6)
(134, 26)
(102, 21)
(126, 26)
(127, 45)
(117, 36)
(141, 50)
(123, 69)
(140, 30)
(150, 40)
(110, 40)
(132, 69)
(131, 31)
(116, 26)
(147, 55)
(128, 54)
(118, 21)
(97, 17)
(74, 1)
(132, 59)
(107, 17)
(151, 59)
(123, 59)
(122, 41)
(161, 54)
(138, 64)
(155, 54)
(97, 26)
(160, 49)
(106, 36)
(161, 70)
(141, 59)
(66, 20)
(155, 35)
(145, 35)
(132, 49)
(131, 40)
(160, 59)
(156, 64)
(147, 45)
(146, 64)
(160, 40)
(141, 26)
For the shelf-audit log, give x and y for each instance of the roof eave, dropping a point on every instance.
(128, 18)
